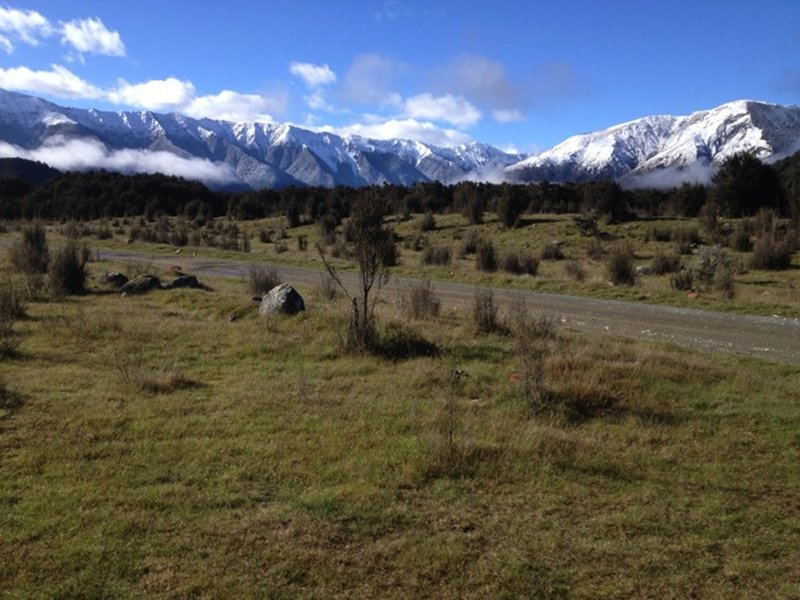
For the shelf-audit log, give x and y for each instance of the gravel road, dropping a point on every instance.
(771, 338)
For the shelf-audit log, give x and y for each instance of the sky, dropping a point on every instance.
(520, 75)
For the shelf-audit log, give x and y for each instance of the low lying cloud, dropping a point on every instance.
(663, 179)
(407, 129)
(86, 154)
(455, 110)
(58, 81)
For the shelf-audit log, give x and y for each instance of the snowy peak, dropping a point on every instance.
(691, 146)
(246, 155)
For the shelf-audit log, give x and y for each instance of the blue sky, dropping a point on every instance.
(515, 74)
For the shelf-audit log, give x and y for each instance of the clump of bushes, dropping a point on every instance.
(519, 263)
(262, 279)
(485, 313)
(574, 270)
(30, 256)
(485, 257)
(67, 274)
(420, 301)
(437, 255)
(715, 268)
(552, 251)
(666, 263)
(12, 308)
(427, 222)
(772, 254)
(469, 245)
(620, 265)
(595, 249)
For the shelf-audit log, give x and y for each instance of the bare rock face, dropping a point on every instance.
(282, 299)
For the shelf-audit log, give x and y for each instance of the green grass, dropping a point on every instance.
(280, 467)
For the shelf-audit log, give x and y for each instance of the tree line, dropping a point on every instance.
(741, 187)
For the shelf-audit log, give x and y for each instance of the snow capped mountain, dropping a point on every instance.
(224, 154)
(664, 150)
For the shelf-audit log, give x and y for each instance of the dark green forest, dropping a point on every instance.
(741, 187)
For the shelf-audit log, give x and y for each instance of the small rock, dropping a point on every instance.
(282, 299)
(645, 270)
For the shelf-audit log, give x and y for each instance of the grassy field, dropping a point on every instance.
(152, 447)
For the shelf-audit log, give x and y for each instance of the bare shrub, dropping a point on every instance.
(419, 300)
(666, 263)
(469, 244)
(485, 313)
(771, 254)
(12, 308)
(67, 274)
(30, 256)
(620, 265)
(262, 279)
(532, 338)
(740, 240)
(595, 249)
(326, 288)
(682, 280)
(574, 270)
(658, 233)
(437, 255)
(302, 243)
(519, 263)
(684, 238)
(485, 258)
(552, 251)
(427, 222)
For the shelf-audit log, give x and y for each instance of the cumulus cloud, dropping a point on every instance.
(156, 94)
(455, 110)
(91, 36)
(58, 81)
(27, 26)
(408, 129)
(84, 154)
(313, 75)
(6, 45)
(233, 106)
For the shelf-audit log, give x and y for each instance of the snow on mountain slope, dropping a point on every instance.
(254, 155)
(668, 148)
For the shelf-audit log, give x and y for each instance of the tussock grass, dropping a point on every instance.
(292, 469)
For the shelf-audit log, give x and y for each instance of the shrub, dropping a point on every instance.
(531, 346)
(327, 288)
(595, 249)
(265, 236)
(620, 265)
(398, 342)
(484, 312)
(716, 268)
(437, 256)
(262, 280)
(302, 243)
(666, 263)
(657, 233)
(12, 308)
(684, 238)
(427, 222)
(470, 244)
(740, 240)
(30, 256)
(68, 274)
(519, 263)
(552, 251)
(485, 256)
(420, 301)
(574, 270)
(771, 254)
(683, 280)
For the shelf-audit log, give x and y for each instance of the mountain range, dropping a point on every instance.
(652, 151)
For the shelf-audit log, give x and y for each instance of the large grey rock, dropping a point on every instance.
(141, 285)
(282, 299)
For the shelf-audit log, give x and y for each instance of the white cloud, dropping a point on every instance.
(59, 81)
(481, 78)
(157, 94)
(28, 26)
(409, 129)
(91, 36)
(91, 154)
(508, 116)
(456, 110)
(6, 45)
(232, 106)
(313, 75)
(369, 80)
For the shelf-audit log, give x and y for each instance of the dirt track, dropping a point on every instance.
(772, 338)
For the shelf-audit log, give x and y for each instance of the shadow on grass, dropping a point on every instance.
(402, 343)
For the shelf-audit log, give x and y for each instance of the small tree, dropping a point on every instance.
(372, 247)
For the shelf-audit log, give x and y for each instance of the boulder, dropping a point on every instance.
(114, 279)
(282, 299)
(184, 281)
(141, 285)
